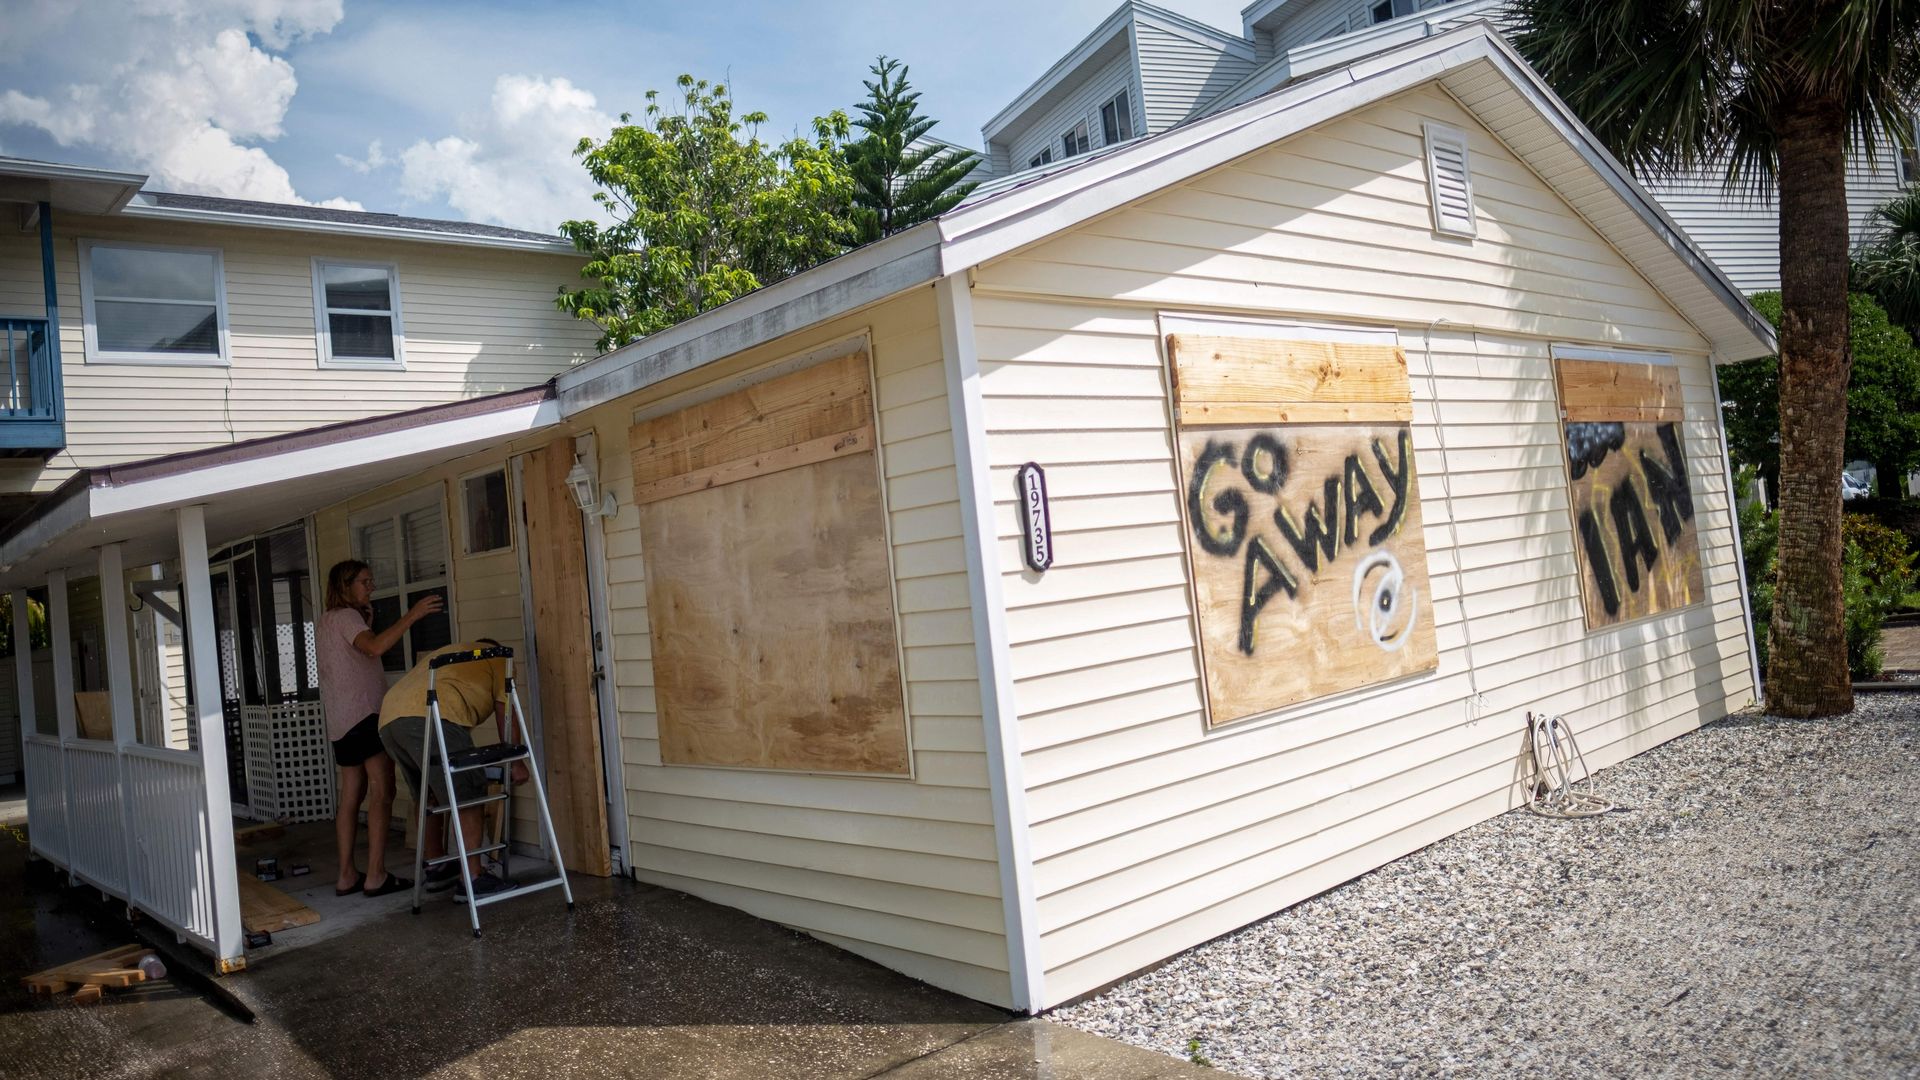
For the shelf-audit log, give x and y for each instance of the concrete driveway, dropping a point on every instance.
(638, 981)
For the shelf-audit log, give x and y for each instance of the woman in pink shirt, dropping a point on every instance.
(352, 682)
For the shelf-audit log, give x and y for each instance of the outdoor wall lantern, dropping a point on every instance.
(586, 491)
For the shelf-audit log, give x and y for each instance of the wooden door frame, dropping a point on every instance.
(593, 530)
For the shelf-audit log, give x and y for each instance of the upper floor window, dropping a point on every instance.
(357, 314)
(1391, 9)
(1116, 119)
(1075, 140)
(1910, 159)
(153, 305)
(1044, 157)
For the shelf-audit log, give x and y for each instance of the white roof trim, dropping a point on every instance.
(1075, 59)
(140, 209)
(1194, 30)
(863, 276)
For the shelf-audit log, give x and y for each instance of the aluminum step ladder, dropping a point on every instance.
(501, 755)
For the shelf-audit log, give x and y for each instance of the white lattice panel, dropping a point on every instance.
(289, 761)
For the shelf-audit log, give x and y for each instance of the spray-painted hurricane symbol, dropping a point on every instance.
(1387, 616)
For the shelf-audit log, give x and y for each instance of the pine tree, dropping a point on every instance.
(901, 177)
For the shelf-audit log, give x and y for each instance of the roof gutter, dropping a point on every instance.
(338, 228)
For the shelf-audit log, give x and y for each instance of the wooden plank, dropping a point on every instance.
(93, 715)
(117, 967)
(1607, 390)
(786, 457)
(1308, 565)
(1581, 414)
(1635, 537)
(1256, 413)
(826, 399)
(562, 630)
(263, 907)
(1237, 369)
(771, 612)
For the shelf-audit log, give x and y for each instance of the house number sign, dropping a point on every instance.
(1036, 526)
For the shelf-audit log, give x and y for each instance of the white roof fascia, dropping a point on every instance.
(138, 209)
(97, 191)
(863, 276)
(214, 481)
(1257, 11)
(1059, 72)
(976, 233)
(66, 515)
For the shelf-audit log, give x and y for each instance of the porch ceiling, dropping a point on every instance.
(253, 486)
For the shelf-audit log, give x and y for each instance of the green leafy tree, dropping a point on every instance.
(901, 177)
(1883, 397)
(1888, 265)
(36, 625)
(1777, 90)
(702, 211)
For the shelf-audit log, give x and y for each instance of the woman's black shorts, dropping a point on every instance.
(359, 743)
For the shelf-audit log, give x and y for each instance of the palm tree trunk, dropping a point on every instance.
(1807, 646)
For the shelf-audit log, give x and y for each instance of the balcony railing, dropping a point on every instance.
(31, 416)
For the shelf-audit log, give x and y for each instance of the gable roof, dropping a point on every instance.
(1473, 63)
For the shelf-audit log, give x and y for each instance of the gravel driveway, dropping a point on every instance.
(1754, 911)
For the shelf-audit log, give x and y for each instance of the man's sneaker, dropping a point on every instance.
(484, 885)
(444, 876)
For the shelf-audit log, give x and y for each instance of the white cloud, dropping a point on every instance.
(176, 88)
(514, 166)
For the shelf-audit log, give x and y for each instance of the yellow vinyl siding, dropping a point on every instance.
(476, 321)
(1150, 834)
(902, 871)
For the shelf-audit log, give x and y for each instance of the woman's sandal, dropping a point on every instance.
(354, 888)
(394, 883)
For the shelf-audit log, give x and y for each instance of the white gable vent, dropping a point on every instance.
(1449, 180)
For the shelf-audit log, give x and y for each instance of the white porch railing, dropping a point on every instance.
(96, 841)
(173, 866)
(46, 796)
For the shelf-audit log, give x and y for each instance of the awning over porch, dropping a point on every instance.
(252, 486)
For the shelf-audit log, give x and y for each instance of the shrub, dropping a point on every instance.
(1876, 572)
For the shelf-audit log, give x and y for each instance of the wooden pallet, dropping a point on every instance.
(89, 977)
(263, 907)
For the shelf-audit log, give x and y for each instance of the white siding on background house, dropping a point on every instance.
(477, 321)
(1178, 74)
(902, 871)
(1083, 103)
(1151, 834)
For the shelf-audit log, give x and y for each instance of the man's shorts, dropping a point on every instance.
(405, 740)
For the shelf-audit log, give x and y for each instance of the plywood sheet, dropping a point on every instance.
(771, 609)
(1603, 390)
(1237, 369)
(562, 628)
(1635, 537)
(263, 907)
(1309, 569)
(825, 400)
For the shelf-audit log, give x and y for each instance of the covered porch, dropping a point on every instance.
(133, 783)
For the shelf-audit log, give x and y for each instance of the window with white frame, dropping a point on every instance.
(1075, 140)
(357, 314)
(1044, 157)
(485, 513)
(405, 544)
(1116, 119)
(153, 305)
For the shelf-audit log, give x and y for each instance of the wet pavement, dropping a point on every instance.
(637, 981)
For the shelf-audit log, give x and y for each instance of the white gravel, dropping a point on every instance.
(1753, 912)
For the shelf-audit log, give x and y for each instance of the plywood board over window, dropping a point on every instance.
(1303, 518)
(769, 588)
(1632, 499)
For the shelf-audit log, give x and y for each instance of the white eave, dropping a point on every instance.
(69, 188)
(140, 207)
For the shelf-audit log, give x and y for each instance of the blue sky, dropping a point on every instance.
(469, 110)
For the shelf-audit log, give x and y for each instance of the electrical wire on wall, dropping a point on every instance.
(1476, 702)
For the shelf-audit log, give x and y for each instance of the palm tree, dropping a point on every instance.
(1775, 90)
(1888, 266)
(902, 176)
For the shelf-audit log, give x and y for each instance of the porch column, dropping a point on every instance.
(113, 611)
(203, 675)
(62, 641)
(23, 671)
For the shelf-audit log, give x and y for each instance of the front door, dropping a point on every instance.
(563, 649)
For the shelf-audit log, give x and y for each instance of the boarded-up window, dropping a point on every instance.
(1630, 487)
(1303, 518)
(769, 589)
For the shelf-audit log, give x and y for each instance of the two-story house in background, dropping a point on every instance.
(1145, 70)
(136, 324)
